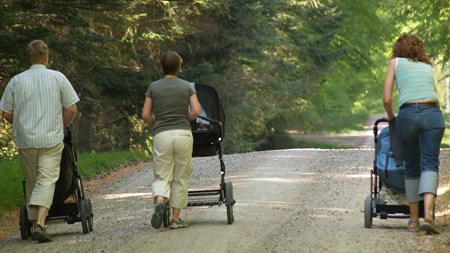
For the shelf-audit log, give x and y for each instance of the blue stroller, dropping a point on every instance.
(388, 173)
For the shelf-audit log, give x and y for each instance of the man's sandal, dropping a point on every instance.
(40, 235)
(413, 225)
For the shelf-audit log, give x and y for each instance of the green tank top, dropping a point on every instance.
(170, 103)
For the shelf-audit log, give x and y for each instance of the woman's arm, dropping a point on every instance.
(147, 112)
(388, 88)
(195, 107)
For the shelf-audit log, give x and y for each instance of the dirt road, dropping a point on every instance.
(299, 200)
(354, 139)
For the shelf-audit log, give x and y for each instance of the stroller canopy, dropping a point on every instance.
(210, 102)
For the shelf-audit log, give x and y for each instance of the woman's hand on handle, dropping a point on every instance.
(387, 117)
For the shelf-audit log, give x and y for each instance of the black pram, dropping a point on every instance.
(208, 131)
(69, 184)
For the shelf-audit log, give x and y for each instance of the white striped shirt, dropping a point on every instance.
(36, 98)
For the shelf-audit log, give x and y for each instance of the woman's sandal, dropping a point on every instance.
(40, 235)
(413, 225)
(429, 227)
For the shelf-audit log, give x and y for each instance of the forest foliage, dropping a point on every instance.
(311, 65)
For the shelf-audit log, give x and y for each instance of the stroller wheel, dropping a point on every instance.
(229, 202)
(90, 215)
(368, 212)
(83, 213)
(25, 224)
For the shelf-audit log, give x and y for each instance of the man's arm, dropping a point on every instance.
(8, 117)
(69, 114)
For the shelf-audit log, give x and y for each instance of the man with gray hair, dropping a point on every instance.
(39, 102)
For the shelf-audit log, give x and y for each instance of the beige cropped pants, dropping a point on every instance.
(172, 155)
(40, 168)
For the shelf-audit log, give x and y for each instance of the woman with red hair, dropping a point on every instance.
(420, 125)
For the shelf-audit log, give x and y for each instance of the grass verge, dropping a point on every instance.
(446, 138)
(89, 165)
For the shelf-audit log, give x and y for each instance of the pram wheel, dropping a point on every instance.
(90, 215)
(229, 202)
(25, 224)
(166, 216)
(84, 216)
(368, 208)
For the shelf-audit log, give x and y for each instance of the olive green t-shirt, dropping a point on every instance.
(170, 103)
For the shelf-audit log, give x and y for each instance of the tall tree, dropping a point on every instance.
(429, 19)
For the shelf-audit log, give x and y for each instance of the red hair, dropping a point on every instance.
(410, 46)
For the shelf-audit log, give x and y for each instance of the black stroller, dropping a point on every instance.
(69, 184)
(208, 132)
(386, 173)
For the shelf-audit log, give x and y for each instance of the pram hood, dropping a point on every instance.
(211, 104)
(390, 170)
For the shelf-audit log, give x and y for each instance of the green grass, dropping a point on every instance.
(89, 165)
(10, 185)
(446, 139)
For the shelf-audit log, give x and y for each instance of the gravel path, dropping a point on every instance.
(298, 200)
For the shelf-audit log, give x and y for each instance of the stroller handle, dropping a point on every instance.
(380, 121)
(375, 127)
(209, 119)
(68, 135)
(215, 122)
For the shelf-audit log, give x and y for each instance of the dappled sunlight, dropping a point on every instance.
(359, 175)
(272, 203)
(334, 209)
(443, 213)
(443, 190)
(279, 180)
(296, 156)
(268, 203)
(127, 195)
(303, 173)
(443, 193)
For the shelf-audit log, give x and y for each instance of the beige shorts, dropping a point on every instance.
(172, 154)
(40, 167)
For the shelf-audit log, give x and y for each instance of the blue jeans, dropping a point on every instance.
(420, 130)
